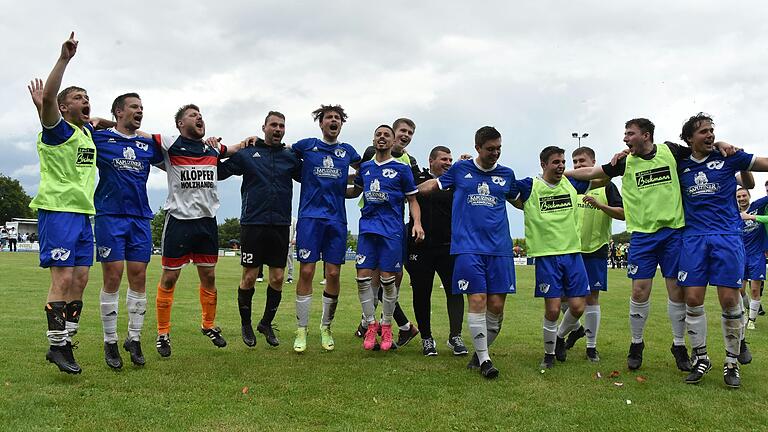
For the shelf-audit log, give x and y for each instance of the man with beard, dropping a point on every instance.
(433, 256)
(267, 168)
(64, 202)
(480, 240)
(386, 183)
(190, 233)
(321, 230)
(404, 129)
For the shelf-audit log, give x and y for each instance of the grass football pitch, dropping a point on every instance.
(204, 388)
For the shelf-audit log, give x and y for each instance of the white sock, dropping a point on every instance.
(754, 307)
(568, 324)
(109, 304)
(303, 303)
(591, 324)
(550, 334)
(493, 324)
(638, 315)
(696, 320)
(676, 312)
(136, 303)
(388, 299)
(365, 294)
(479, 332)
(732, 325)
(72, 328)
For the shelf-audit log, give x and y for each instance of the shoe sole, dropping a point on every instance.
(406, 342)
(68, 371)
(733, 386)
(299, 349)
(431, 354)
(492, 374)
(700, 378)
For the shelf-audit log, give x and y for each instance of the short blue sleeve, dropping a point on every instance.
(58, 134)
(741, 160)
(581, 187)
(409, 185)
(524, 186)
(448, 179)
(760, 205)
(300, 147)
(354, 157)
(157, 155)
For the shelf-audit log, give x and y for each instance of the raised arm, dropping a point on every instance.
(35, 88)
(428, 186)
(587, 173)
(49, 113)
(760, 164)
(417, 232)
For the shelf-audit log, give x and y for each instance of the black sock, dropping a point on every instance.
(244, 298)
(270, 307)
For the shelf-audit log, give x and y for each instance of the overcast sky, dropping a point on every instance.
(537, 71)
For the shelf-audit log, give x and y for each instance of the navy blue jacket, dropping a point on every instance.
(267, 189)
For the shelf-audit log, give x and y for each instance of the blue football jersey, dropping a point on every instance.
(123, 163)
(709, 193)
(385, 186)
(324, 178)
(479, 211)
(752, 232)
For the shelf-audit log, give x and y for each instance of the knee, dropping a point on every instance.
(552, 314)
(168, 280)
(276, 281)
(248, 280)
(332, 272)
(477, 303)
(576, 308)
(307, 272)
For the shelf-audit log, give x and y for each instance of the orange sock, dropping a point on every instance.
(164, 301)
(208, 304)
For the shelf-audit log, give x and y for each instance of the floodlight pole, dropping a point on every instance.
(579, 136)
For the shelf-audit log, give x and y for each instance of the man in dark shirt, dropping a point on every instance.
(267, 169)
(433, 256)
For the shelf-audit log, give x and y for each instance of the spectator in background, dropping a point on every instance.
(3, 238)
(13, 238)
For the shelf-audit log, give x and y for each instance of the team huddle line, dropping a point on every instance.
(680, 203)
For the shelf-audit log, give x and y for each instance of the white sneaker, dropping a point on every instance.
(322, 282)
(750, 325)
(258, 279)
